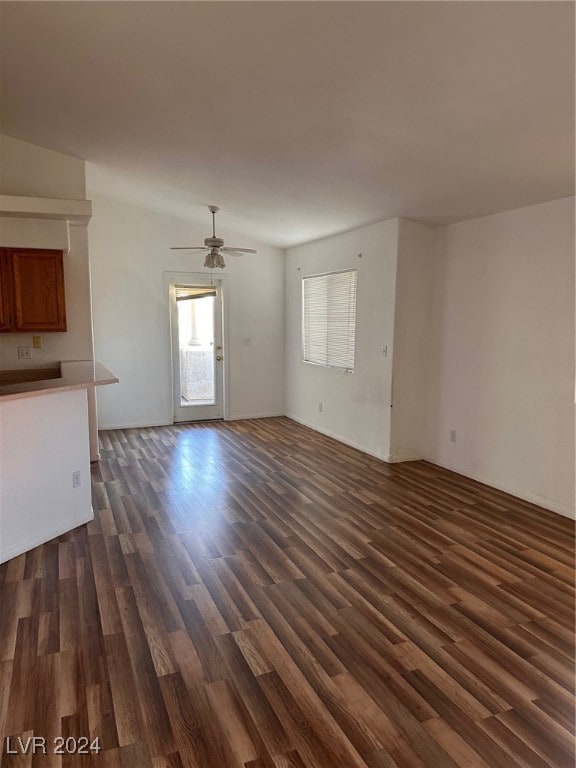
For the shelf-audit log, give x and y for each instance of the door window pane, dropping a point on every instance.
(196, 349)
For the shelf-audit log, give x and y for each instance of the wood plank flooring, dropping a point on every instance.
(254, 594)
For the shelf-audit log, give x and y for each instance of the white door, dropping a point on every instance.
(197, 353)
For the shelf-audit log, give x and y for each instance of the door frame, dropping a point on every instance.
(171, 279)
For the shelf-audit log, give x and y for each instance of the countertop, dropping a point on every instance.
(76, 374)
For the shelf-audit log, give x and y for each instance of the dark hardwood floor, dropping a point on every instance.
(256, 594)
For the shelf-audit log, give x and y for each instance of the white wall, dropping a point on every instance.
(32, 171)
(130, 252)
(501, 349)
(355, 406)
(415, 277)
(43, 440)
(503, 371)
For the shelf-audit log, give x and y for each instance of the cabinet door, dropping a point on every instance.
(6, 303)
(39, 301)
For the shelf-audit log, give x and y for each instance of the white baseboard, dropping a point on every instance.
(540, 501)
(237, 417)
(533, 498)
(338, 437)
(41, 537)
(398, 458)
(134, 425)
(144, 425)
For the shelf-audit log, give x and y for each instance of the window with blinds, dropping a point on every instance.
(329, 319)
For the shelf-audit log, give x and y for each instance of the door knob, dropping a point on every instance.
(218, 357)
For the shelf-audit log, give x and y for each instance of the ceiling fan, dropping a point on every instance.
(214, 246)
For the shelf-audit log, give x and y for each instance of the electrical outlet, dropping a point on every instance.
(320, 407)
(37, 342)
(452, 435)
(76, 479)
(24, 353)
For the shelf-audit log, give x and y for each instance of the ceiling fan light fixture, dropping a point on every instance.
(214, 245)
(214, 260)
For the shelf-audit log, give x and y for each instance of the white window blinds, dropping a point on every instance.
(329, 319)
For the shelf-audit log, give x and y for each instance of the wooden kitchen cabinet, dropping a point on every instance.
(5, 295)
(32, 296)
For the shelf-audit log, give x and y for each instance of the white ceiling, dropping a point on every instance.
(301, 119)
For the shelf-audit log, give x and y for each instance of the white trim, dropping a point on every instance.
(399, 458)
(20, 232)
(340, 439)
(197, 278)
(145, 425)
(134, 425)
(552, 506)
(47, 208)
(46, 535)
(533, 498)
(254, 416)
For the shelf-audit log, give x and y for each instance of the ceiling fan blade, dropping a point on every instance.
(189, 248)
(239, 250)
